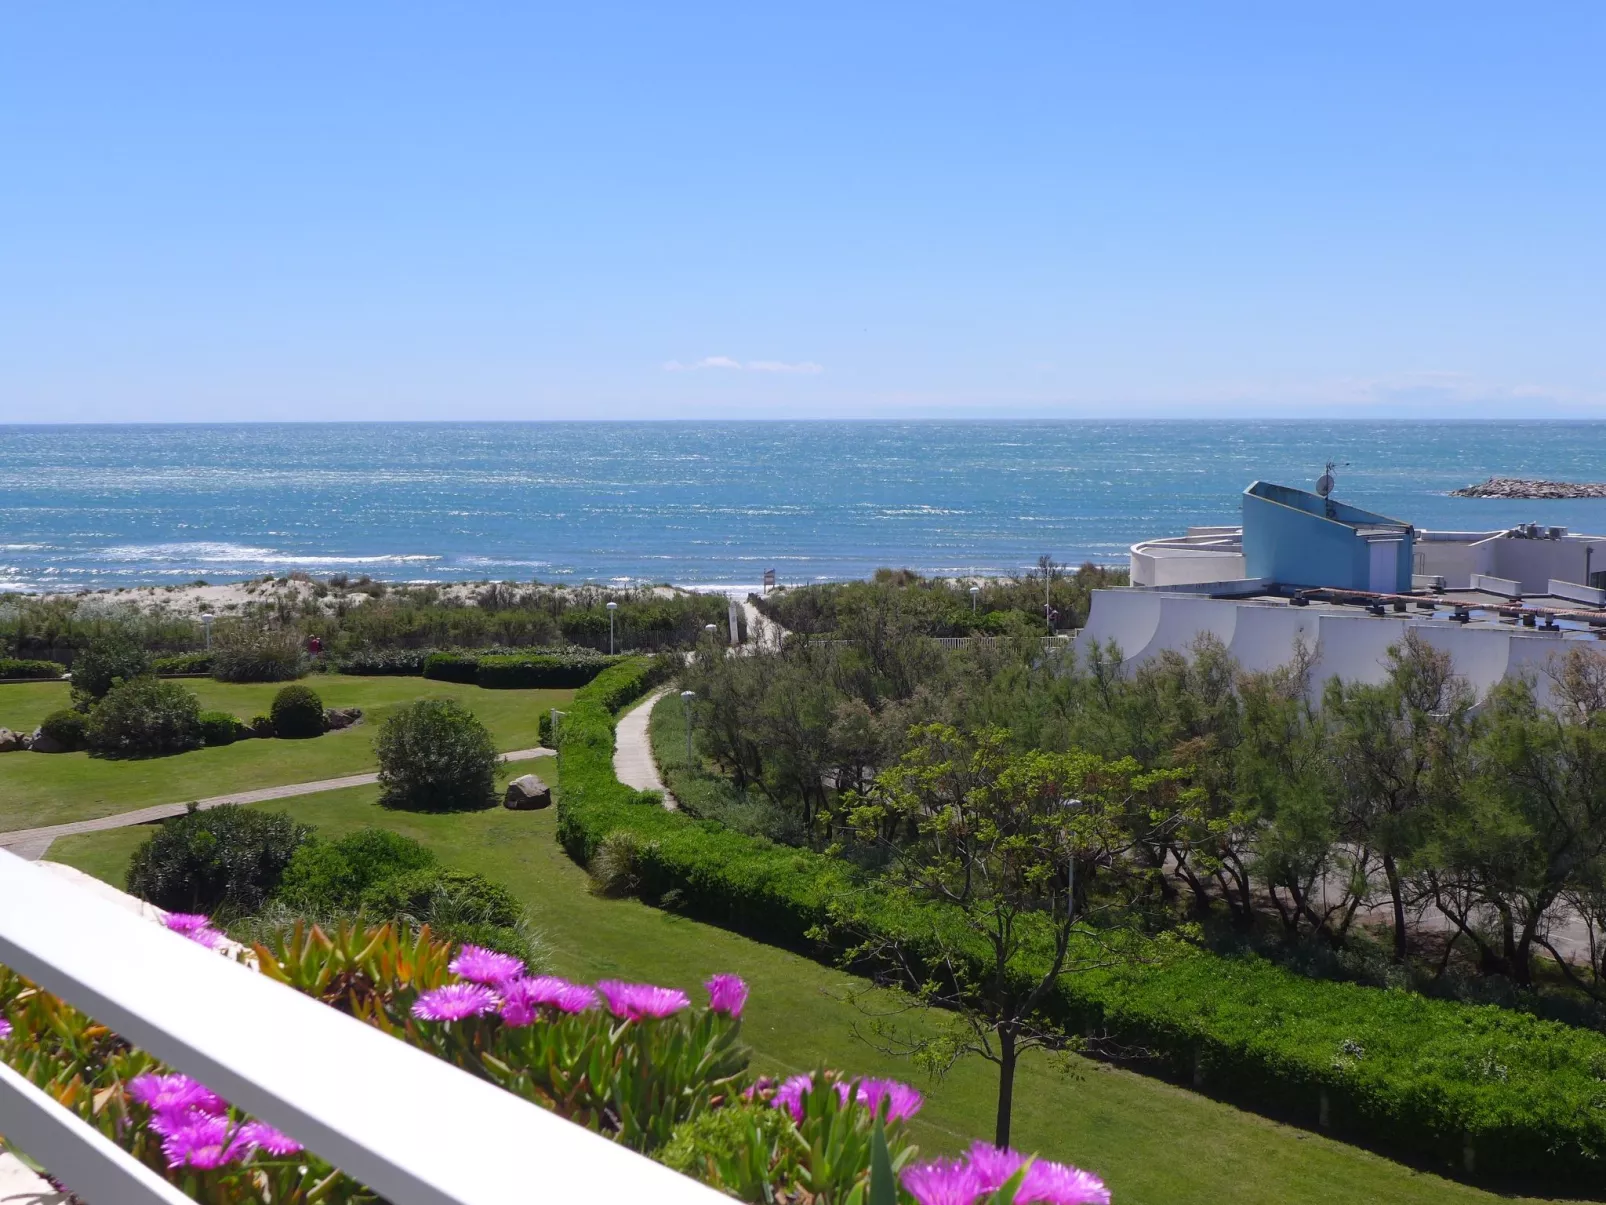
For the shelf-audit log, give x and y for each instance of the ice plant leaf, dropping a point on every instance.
(883, 1184)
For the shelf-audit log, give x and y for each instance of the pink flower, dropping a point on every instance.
(1060, 1184)
(205, 1143)
(485, 966)
(187, 922)
(942, 1182)
(175, 1096)
(789, 1095)
(454, 1002)
(993, 1165)
(638, 1001)
(196, 926)
(275, 1142)
(727, 994)
(522, 997)
(903, 1101)
(5, 1029)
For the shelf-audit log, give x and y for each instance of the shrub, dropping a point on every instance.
(68, 728)
(108, 660)
(11, 667)
(1424, 1077)
(616, 866)
(384, 661)
(537, 671)
(182, 663)
(219, 728)
(451, 667)
(328, 877)
(436, 756)
(297, 713)
(145, 718)
(245, 654)
(457, 904)
(228, 858)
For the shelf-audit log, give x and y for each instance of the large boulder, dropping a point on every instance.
(45, 744)
(341, 717)
(526, 794)
(10, 742)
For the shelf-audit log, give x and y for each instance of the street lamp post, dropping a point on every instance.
(713, 641)
(686, 696)
(974, 590)
(206, 626)
(612, 607)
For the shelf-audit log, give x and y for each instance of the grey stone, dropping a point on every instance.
(40, 743)
(341, 717)
(10, 741)
(527, 793)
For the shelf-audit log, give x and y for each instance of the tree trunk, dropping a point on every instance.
(1398, 898)
(1006, 1084)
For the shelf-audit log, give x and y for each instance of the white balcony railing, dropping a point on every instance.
(412, 1127)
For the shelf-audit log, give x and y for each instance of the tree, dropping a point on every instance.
(1025, 852)
(1396, 747)
(436, 756)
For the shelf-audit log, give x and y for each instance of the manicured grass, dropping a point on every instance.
(39, 789)
(1156, 1144)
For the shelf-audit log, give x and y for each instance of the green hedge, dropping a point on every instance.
(518, 671)
(182, 663)
(12, 667)
(1430, 1080)
(378, 662)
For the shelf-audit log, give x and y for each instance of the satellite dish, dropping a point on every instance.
(1324, 483)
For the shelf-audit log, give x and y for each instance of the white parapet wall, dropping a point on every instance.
(1352, 646)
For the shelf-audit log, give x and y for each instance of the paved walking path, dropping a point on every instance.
(32, 843)
(632, 751)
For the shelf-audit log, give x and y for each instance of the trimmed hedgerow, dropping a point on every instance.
(378, 662)
(1514, 1097)
(451, 667)
(12, 667)
(182, 663)
(518, 671)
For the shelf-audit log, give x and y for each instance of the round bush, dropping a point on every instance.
(436, 756)
(297, 713)
(227, 858)
(107, 661)
(68, 728)
(219, 728)
(327, 877)
(145, 718)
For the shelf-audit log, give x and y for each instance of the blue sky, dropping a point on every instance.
(217, 212)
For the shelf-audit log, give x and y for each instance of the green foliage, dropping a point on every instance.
(436, 756)
(246, 652)
(1402, 1072)
(374, 662)
(68, 728)
(11, 667)
(182, 663)
(451, 667)
(227, 858)
(110, 659)
(326, 878)
(219, 728)
(297, 713)
(517, 672)
(457, 904)
(145, 717)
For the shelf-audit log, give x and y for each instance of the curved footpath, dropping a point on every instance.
(633, 762)
(32, 843)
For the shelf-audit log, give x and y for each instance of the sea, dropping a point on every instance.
(711, 504)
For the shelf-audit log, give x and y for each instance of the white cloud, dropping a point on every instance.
(805, 366)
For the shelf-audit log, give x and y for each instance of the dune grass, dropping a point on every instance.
(1155, 1143)
(39, 789)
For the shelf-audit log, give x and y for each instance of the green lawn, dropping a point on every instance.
(1156, 1144)
(39, 789)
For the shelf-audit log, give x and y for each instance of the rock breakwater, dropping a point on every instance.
(1523, 487)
